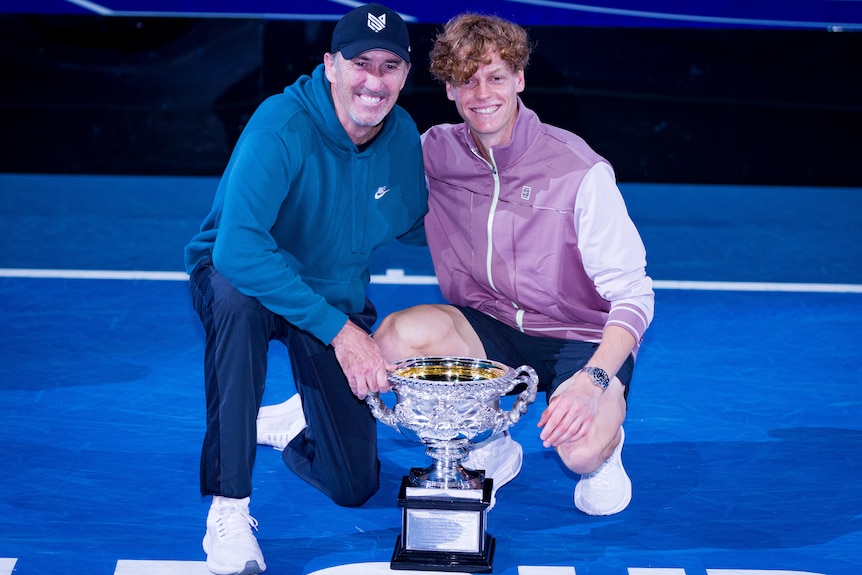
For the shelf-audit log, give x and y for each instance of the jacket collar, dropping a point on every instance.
(527, 126)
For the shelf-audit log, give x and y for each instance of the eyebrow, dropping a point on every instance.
(495, 71)
(393, 59)
(499, 69)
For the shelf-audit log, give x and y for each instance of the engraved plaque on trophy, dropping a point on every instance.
(449, 404)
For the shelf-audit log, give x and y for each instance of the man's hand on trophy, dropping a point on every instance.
(361, 361)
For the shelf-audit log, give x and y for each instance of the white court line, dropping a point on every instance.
(758, 286)
(377, 568)
(93, 274)
(7, 565)
(542, 570)
(398, 277)
(129, 567)
(757, 572)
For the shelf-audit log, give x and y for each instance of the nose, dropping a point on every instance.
(374, 79)
(482, 89)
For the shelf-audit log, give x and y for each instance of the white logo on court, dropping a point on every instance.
(376, 23)
(381, 191)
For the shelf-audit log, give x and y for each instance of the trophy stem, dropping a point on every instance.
(446, 470)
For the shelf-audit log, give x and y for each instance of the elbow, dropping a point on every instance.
(225, 262)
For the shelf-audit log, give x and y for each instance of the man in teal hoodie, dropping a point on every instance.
(323, 174)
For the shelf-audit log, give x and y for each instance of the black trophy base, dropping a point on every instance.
(443, 560)
(443, 530)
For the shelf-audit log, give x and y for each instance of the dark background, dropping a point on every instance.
(168, 96)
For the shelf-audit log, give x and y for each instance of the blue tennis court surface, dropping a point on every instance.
(744, 430)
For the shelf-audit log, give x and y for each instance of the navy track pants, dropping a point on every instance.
(336, 453)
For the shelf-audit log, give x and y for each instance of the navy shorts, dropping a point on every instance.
(555, 360)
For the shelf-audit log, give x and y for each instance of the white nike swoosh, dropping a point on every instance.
(381, 191)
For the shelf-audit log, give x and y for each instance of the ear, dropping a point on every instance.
(328, 66)
(521, 82)
(449, 93)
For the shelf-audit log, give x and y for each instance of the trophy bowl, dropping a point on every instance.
(449, 404)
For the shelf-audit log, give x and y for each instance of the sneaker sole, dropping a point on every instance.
(251, 567)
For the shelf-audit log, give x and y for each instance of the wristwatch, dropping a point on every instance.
(598, 375)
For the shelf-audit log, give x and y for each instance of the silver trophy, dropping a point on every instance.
(449, 404)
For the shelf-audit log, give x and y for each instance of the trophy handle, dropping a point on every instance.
(380, 410)
(528, 376)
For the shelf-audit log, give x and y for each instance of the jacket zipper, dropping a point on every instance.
(519, 313)
(494, 200)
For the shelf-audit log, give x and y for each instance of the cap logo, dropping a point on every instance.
(377, 23)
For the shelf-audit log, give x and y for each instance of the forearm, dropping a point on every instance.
(616, 346)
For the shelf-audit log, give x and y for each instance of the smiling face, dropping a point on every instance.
(488, 102)
(365, 89)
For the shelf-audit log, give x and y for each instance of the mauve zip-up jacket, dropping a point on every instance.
(539, 238)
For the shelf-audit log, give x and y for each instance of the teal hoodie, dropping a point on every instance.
(300, 210)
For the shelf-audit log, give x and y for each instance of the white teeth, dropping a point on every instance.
(490, 110)
(370, 99)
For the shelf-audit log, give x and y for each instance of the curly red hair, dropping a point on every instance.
(469, 40)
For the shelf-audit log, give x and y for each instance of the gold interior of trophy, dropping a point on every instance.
(450, 372)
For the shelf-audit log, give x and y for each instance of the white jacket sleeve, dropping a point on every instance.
(613, 253)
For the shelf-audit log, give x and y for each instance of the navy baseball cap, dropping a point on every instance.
(371, 27)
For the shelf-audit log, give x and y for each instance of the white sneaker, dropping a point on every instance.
(277, 425)
(500, 457)
(608, 489)
(229, 543)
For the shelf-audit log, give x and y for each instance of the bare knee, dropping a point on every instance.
(417, 331)
(587, 455)
(406, 333)
(578, 459)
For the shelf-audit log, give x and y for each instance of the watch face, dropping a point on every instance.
(599, 376)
